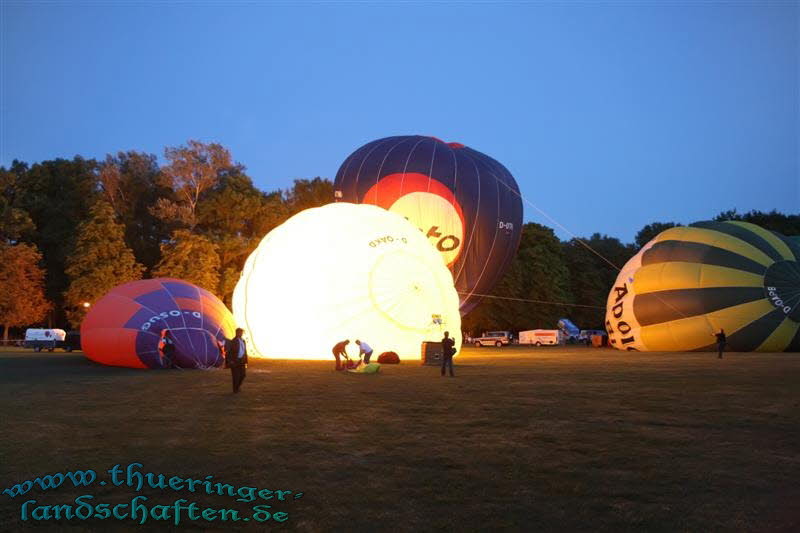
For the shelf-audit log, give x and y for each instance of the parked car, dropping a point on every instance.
(493, 338)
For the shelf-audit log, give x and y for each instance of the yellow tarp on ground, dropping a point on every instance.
(371, 368)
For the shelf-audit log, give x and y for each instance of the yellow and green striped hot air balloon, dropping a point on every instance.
(689, 282)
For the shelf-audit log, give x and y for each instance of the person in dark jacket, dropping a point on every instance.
(721, 341)
(339, 351)
(236, 358)
(448, 351)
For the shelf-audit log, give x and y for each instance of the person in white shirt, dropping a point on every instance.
(365, 350)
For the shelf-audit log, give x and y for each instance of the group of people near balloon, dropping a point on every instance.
(340, 352)
(234, 352)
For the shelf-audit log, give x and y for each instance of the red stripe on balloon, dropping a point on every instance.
(112, 346)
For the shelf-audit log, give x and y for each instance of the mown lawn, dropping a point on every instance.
(522, 439)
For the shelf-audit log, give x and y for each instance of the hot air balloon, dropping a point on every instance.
(124, 327)
(689, 282)
(464, 202)
(344, 271)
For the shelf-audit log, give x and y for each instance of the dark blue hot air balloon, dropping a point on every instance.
(466, 203)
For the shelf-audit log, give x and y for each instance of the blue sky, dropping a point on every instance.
(609, 115)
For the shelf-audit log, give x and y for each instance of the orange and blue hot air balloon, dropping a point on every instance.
(124, 327)
(465, 202)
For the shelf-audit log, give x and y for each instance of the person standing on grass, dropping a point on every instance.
(721, 341)
(338, 351)
(236, 358)
(448, 351)
(365, 350)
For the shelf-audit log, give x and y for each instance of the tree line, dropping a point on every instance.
(70, 230)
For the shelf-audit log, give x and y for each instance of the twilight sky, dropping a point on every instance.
(610, 115)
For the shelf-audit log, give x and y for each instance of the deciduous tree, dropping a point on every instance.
(774, 221)
(235, 216)
(15, 223)
(22, 298)
(647, 233)
(305, 194)
(57, 195)
(190, 257)
(192, 170)
(529, 293)
(129, 182)
(592, 276)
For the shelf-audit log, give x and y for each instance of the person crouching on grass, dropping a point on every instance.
(236, 358)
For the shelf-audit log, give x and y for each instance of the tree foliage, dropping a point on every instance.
(306, 194)
(22, 298)
(235, 216)
(100, 261)
(786, 224)
(538, 272)
(192, 170)
(129, 181)
(592, 276)
(199, 216)
(15, 223)
(647, 233)
(190, 257)
(57, 196)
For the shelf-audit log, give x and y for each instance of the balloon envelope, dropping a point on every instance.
(465, 203)
(345, 271)
(689, 282)
(124, 327)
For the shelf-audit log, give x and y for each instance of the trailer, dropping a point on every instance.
(540, 337)
(44, 339)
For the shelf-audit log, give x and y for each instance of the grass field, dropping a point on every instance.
(522, 439)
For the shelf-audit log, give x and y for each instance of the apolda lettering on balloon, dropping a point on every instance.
(617, 312)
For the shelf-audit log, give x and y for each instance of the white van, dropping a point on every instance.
(44, 339)
(493, 338)
(540, 337)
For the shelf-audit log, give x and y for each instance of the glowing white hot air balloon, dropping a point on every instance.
(345, 271)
